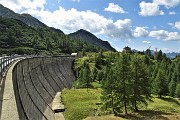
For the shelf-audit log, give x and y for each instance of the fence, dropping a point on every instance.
(5, 62)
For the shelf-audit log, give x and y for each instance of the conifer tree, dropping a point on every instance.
(140, 83)
(94, 74)
(86, 75)
(123, 74)
(172, 88)
(160, 84)
(177, 92)
(108, 86)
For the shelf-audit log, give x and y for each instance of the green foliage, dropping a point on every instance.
(140, 82)
(160, 84)
(40, 40)
(128, 79)
(172, 88)
(177, 92)
(126, 83)
(84, 79)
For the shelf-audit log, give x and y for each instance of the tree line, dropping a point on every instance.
(129, 79)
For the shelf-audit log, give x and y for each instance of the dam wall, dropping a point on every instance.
(36, 82)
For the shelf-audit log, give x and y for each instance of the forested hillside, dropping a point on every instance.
(24, 34)
(129, 80)
(18, 38)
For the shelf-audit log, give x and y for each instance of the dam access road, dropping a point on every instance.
(30, 85)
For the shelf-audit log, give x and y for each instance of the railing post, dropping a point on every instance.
(1, 68)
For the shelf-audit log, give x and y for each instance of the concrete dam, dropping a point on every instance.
(36, 81)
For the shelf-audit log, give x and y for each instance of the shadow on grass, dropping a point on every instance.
(171, 100)
(145, 114)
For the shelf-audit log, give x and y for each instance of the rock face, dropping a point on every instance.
(90, 38)
(36, 82)
(25, 18)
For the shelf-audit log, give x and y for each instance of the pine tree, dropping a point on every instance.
(100, 76)
(148, 52)
(177, 92)
(123, 74)
(172, 88)
(86, 75)
(160, 84)
(94, 74)
(108, 87)
(140, 83)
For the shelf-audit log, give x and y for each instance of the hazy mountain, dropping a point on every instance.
(90, 38)
(172, 55)
(26, 18)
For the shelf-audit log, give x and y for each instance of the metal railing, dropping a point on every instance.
(5, 62)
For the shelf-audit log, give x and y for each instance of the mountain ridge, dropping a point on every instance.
(32, 21)
(25, 17)
(91, 38)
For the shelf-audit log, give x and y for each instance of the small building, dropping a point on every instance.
(73, 54)
(127, 49)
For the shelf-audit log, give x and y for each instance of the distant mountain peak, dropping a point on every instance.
(25, 17)
(26, 14)
(91, 38)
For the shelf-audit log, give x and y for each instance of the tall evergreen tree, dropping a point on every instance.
(177, 92)
(160, 84)
(172, 88)
(123, 74)
(140, 82)
(109, 87)
(86, 75)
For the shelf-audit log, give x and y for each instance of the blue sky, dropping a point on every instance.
(138, 24)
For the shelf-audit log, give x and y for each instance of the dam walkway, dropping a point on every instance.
(32, 84)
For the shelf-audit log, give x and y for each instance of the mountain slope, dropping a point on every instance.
(90, 38)
(29, 20)
(26, 18)
(17, 37)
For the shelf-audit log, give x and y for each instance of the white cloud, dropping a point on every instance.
(166, 50)
(17, 5)
(146, 42)
(150, 9)
(177, 25)
(140, 32)
(114, 8)
(73, 20)
(172, 13)
(165, 35)
(171, 24)
(76, 0)
(167, 3)
(59, 1)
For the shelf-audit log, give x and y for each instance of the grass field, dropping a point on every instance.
(80, 104)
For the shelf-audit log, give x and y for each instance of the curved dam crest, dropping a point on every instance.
(36, 82)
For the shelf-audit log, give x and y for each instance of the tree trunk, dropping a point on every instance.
(125, 107)
(135, 106)
(160, 96)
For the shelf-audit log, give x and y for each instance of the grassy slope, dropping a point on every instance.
(80, 104)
